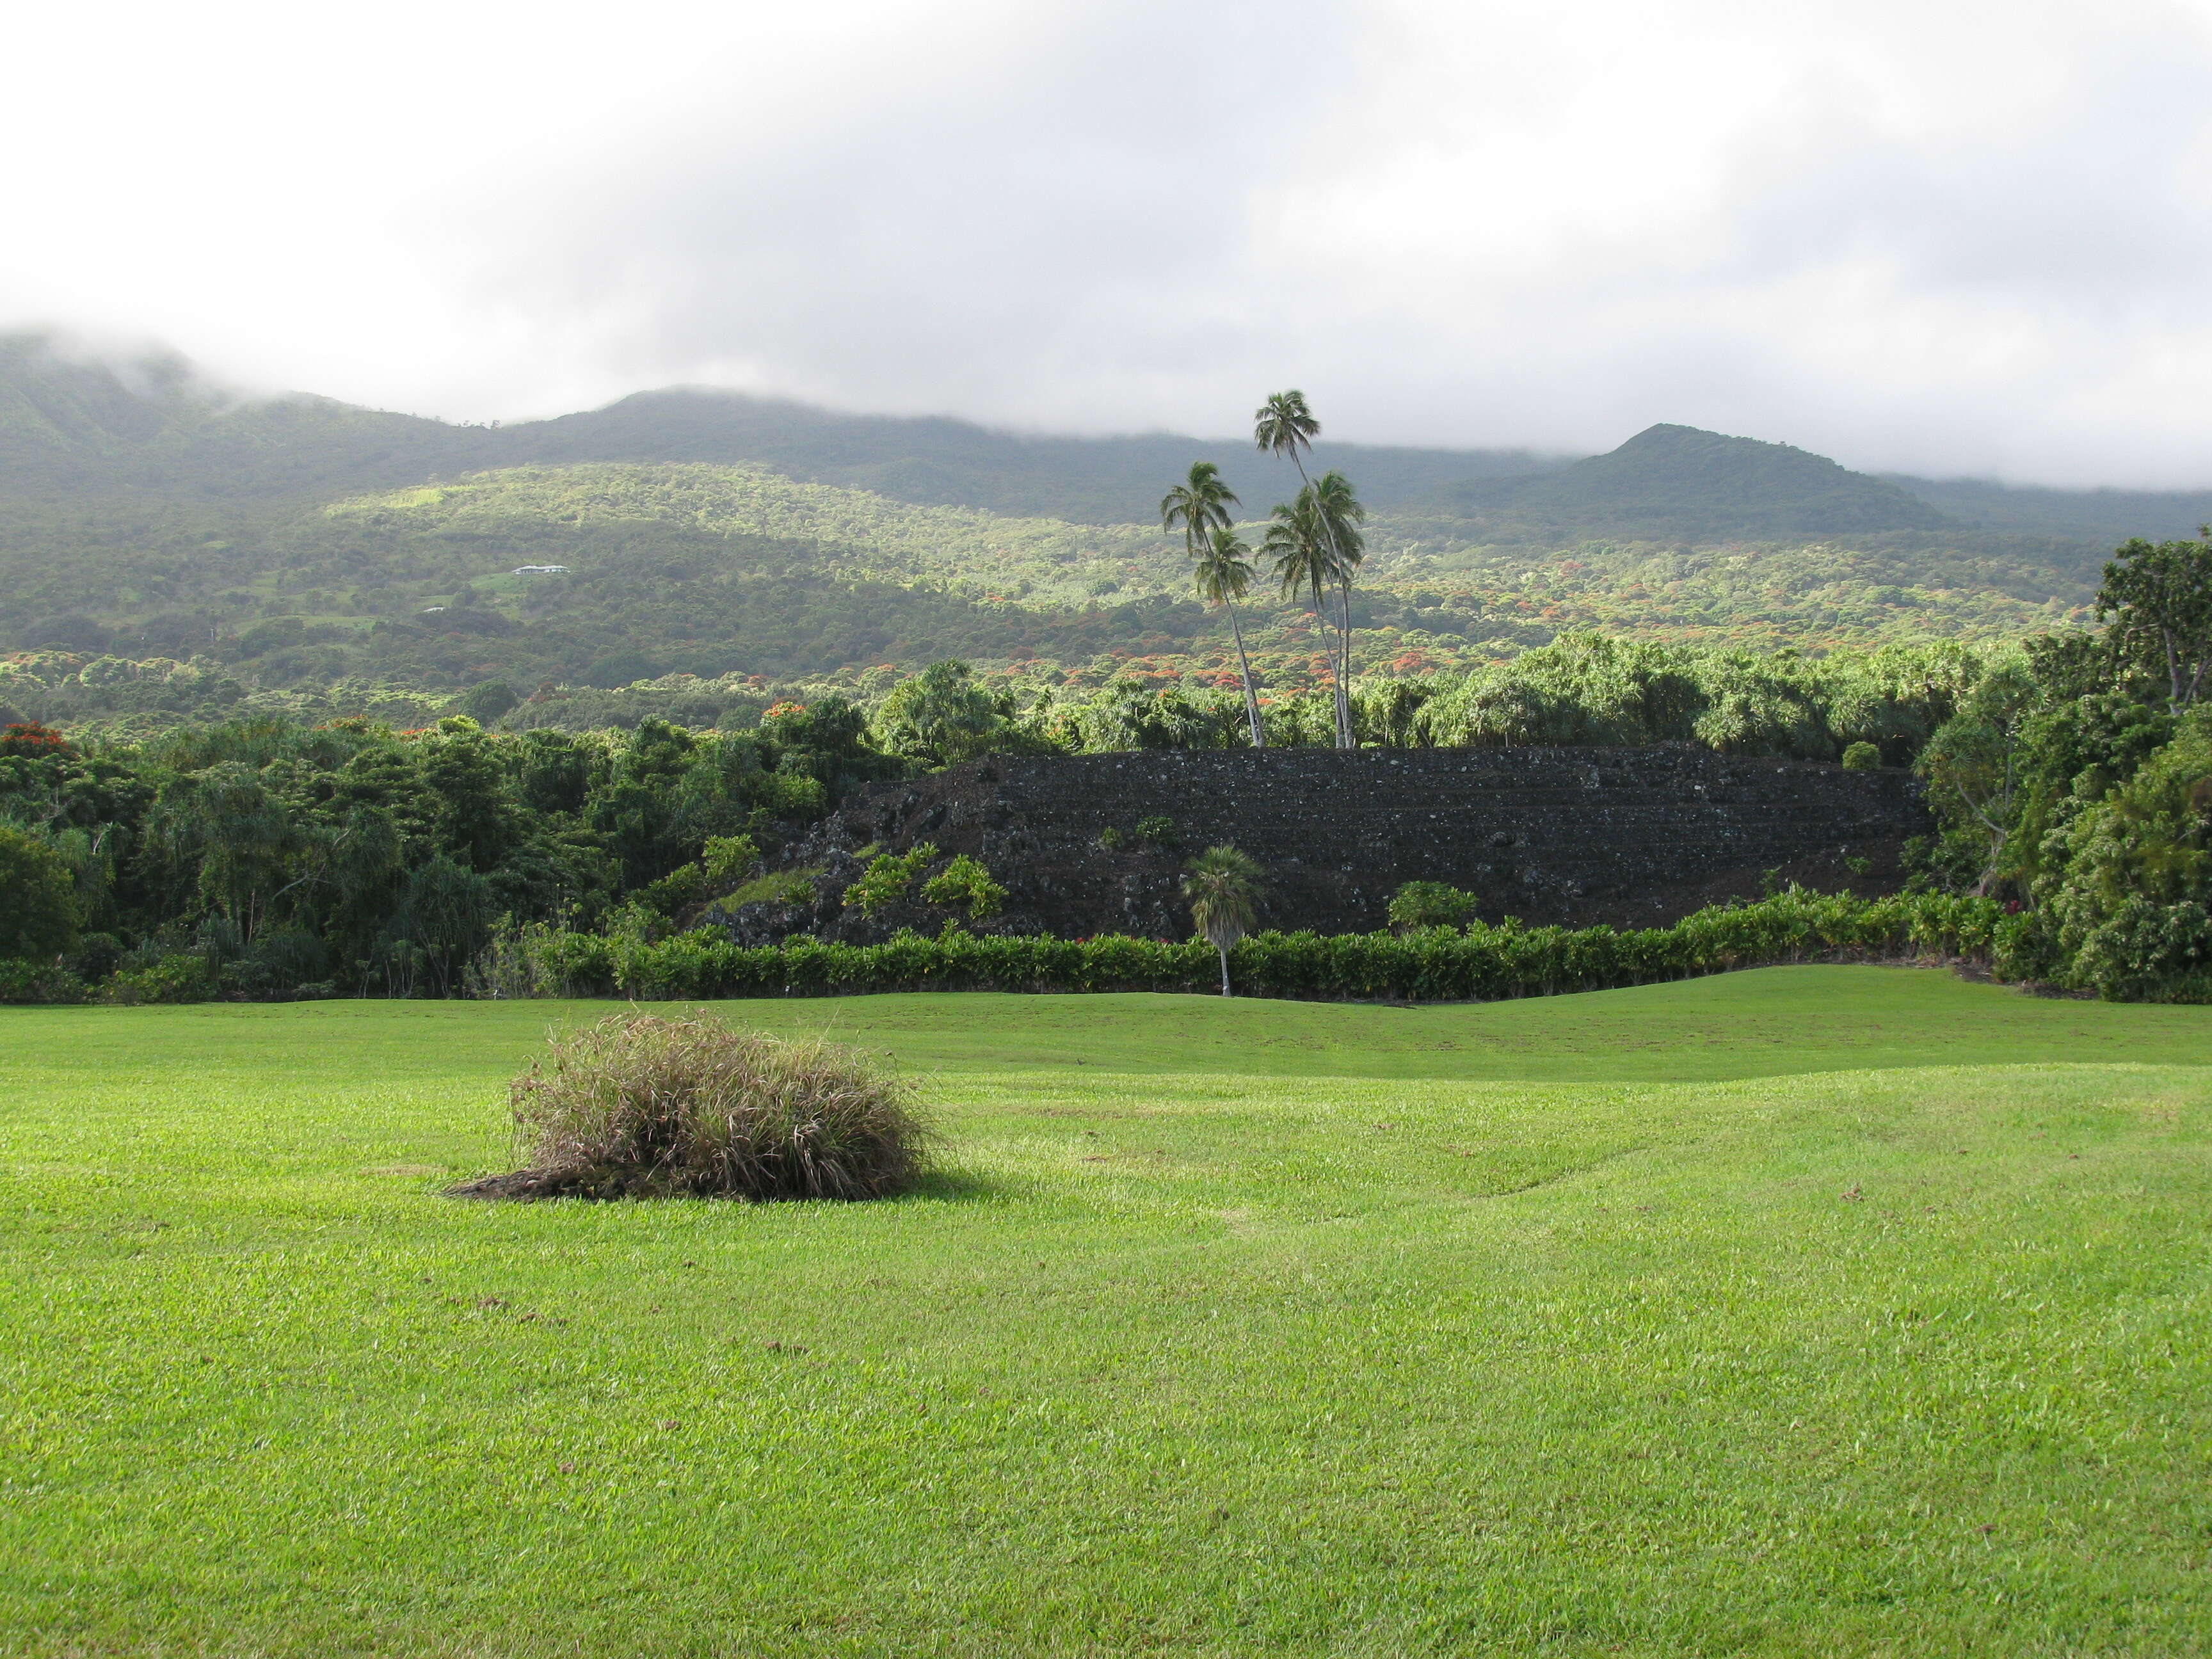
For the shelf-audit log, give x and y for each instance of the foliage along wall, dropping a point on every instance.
(264, 856)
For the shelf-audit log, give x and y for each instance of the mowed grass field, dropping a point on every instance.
(1814, 1311)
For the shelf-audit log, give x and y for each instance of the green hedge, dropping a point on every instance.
(1429, 964)
(1478, 964)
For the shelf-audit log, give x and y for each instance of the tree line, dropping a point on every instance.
(2071, 778)
(2075, 783)
(267, 858)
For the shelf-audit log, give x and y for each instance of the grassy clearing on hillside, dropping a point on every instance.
(1636, 1322)
(857, 533)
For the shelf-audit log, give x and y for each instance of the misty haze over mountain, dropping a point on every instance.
(75, 423)
(1908, 237)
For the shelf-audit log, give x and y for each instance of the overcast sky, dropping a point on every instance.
(1936, 236)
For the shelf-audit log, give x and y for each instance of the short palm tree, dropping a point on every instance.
(1222, 886)
(1199, 507)
(1224, 575)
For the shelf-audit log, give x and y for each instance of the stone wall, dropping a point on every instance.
(1634, 836)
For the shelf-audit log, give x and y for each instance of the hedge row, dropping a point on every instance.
(1430, 964)
(1478, 964)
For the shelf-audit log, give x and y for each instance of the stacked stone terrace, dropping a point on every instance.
(1628, 835)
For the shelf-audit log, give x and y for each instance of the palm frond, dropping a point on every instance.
(1222, 886)
(1284, 424)
(1224, 567)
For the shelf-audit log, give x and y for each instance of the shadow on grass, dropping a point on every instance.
(955, 1186)
(538, 1187)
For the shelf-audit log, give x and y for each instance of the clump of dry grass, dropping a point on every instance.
(639, 1105)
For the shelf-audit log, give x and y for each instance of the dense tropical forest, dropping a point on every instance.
(296, 710)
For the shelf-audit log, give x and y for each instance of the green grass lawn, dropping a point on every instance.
(1808, 1310)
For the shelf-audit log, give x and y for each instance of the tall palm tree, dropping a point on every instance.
(1224, 574)
(1286, 425)
(1301, 558)
(1222, 890)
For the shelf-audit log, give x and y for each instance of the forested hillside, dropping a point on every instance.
(166, 549)
(939, 462)
(2096, 515)
(108, 437)
(1677, 482)
(77, 428)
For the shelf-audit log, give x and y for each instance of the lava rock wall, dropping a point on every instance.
(1634, 836)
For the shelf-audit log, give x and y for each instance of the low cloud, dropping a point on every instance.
(1918, 237)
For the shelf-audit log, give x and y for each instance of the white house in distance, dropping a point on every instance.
(541, 570)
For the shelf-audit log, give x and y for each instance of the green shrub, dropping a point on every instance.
(1111, 838)
(512, 965)
(887, 878)
(280, 962)
(965, 882)
(2131, 913)
(38, 981)
(1862, 758)
(176, 976)
(674, 892)
(1157, 829)
(777, 887)
(1432, 904)
(728, 859)
(643, 1106)
(96, 957)
(573, 964)
(2140, 951)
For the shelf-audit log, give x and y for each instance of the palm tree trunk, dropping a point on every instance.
(1319, 611)
(1244, 673)
(1341, 706)
(1340, 656)
(1224, 955)
(1345, 737)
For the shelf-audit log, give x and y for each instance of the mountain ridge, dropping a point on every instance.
(318, 550)
(68, 426)
(1683, 482)
(942, 461)
(72, 429)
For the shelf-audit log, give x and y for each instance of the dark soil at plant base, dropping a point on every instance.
(529, 1184)
(597, 1186)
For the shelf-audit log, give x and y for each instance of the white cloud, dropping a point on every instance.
(1944, 236)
